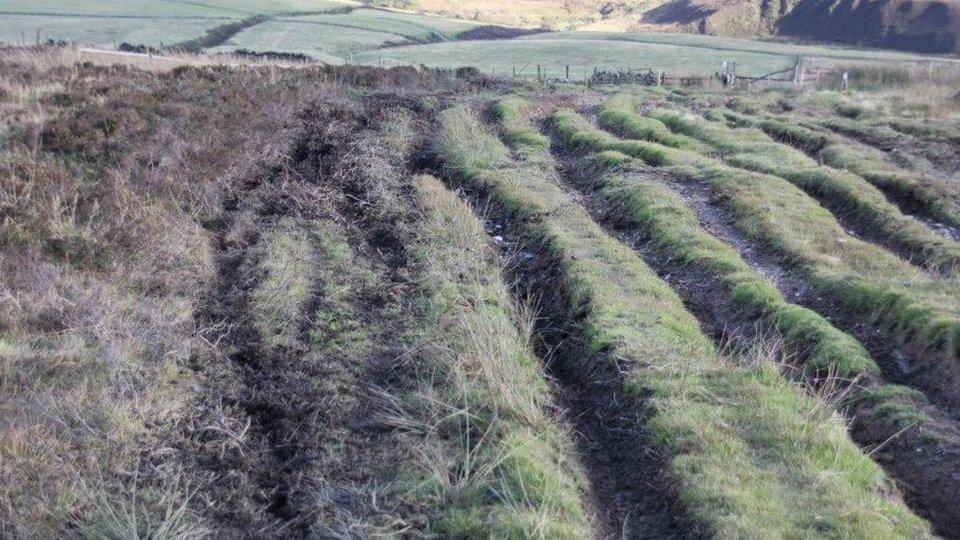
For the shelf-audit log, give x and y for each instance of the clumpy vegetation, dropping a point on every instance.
(522, 479)
(109, 176)
(863, 278)
(700, 398)
(322, 301)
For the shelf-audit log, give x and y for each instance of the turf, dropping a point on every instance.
(521, 478)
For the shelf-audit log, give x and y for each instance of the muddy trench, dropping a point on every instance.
(285, 439)
(926, 465)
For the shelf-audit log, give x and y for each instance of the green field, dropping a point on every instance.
(331, 44)
(104, 32)
(110, 22)
(582, 55)
(419, 27)
(315, 28)
(167, 8)
(677, 54)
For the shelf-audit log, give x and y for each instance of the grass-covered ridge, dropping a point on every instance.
(509, 469)
(920, 310)
(751, 149)
(742, 439)
(911, 189)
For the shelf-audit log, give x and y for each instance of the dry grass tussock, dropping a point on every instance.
(108, 177)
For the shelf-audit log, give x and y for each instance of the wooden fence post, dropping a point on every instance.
(568, 72)
(539, 74)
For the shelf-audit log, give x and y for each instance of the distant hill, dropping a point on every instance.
(930, 26)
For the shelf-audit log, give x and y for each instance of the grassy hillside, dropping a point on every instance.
(926, 26)
(341, 301)
(341, 32)
(931, 26)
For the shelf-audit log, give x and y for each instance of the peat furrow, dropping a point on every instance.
(872, 282)
(922, 459)
(631, 489)
(247, 441)
(860, 206)
(902, 189)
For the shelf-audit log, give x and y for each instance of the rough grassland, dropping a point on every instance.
(743, 440)
(284, 292)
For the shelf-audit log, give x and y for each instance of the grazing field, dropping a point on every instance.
(344, 32)
(344, 301)
(170, 8)
(106, 32)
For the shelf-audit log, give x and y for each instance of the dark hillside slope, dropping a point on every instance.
(930, 26)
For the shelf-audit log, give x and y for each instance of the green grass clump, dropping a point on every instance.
(619, 114)
(751, 149)
(753, 457)
(675, 228)
(511, 471)
(280, 298)
(922, 311)
(662, 214)
(510, 114)
(901, 184)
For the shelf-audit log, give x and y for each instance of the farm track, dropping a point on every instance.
(286, 437)
(923, 465)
